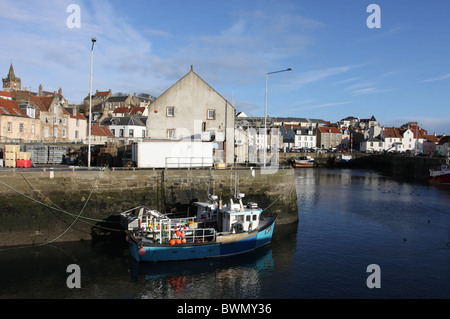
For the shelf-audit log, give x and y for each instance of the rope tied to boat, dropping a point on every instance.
(276, 200)
(56, 208)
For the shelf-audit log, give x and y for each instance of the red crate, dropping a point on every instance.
(23, 163)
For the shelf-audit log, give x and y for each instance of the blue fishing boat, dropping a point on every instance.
(216, 230)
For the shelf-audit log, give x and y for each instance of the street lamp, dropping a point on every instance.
(90, 105)
(265, 112)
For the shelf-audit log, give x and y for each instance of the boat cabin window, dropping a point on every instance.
(255, 217)
(247, 218)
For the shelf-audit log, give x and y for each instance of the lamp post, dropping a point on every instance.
(90, 105)
(265, 112)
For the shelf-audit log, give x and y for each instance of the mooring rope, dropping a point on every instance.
(55, 208)
(78, 216)
(276, 200)
(58, 209)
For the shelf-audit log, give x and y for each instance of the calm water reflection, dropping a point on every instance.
(347, 221)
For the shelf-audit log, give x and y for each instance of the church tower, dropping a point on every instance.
(11, 83)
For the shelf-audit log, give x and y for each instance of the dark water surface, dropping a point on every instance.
(348, 220)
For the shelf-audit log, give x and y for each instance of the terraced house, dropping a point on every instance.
(18, 122)
(328, 137)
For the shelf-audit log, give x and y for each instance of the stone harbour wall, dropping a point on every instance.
(50, 206)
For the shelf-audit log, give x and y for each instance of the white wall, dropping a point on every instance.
(171, 154)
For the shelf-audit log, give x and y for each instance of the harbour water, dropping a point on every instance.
(348, 220)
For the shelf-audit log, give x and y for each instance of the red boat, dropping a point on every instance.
(441, 175)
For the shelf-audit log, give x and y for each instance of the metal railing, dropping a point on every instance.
(184, 229)
(188, 162)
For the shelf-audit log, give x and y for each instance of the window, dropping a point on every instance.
(32, 129)
(76, 134)
(46, 132)
(121, 132)
(31, 112)
(255, 217)
(211, 115)
(55, 120)
(170, 111)
(247, 218)
(113, 131)
(64, 122)
(55, 132)
(143, 133)
(9, 127)
(171, 134)
(64, 134)
(21, 127)
(131, 132)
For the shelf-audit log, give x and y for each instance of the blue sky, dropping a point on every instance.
(399, 72)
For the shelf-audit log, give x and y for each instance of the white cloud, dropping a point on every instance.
(324, 105)
(439, 78)
(239, 52)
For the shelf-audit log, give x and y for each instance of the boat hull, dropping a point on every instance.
(441, 179)
(226, 245)
(302, 165)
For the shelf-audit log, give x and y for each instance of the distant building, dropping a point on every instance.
(101, 135)
(443, 147)
(348, 122)
(98, 101)
(18, 122)
(430, 143)
(11, 82)
(328, 137)
(131, 128)
(366, 124)
(372, 144)
(77, 128)
(305, 138)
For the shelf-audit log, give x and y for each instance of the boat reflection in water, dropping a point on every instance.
(228, 277)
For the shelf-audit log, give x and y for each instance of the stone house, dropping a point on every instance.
(18, 122)
(54, 118)
(192, 109)
(77, 128)
(118, 101)
(328, 137)
(98, 101)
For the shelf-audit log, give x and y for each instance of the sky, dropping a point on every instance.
(341, 67)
